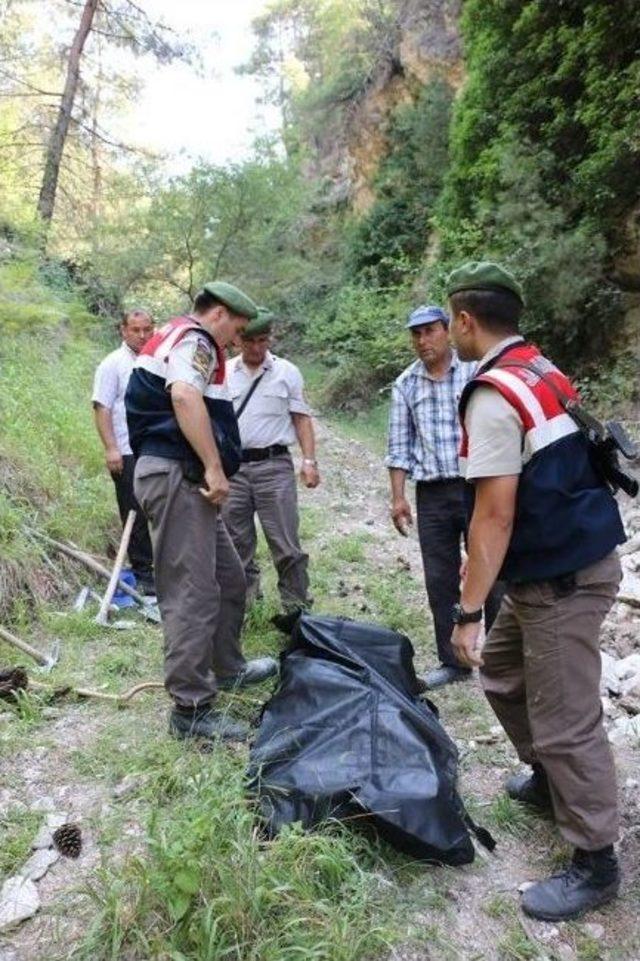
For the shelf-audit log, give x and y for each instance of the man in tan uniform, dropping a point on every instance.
(544, 522)
(267, 393)
(184, 434)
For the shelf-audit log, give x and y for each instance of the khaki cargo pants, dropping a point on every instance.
(268, 488)
(541, 675)
(199, 580)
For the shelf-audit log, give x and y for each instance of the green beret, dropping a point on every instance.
(233, 298)
(483, 275)
(262, 323)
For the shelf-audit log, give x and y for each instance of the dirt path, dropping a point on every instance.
(102, 766)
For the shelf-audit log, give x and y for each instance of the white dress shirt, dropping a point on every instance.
(266, 420)
(109, 387)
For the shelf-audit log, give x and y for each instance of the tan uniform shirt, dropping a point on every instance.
(494, 429)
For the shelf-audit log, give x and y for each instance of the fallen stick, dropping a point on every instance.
(102, 617)
(101, 695)
(40, 658)
(92, 565)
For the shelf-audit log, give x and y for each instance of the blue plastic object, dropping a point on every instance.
(120, 599)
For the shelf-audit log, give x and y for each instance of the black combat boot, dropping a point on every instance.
(592, 879)
(205, 723)
(532, 790)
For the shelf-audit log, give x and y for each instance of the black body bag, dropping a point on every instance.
(345, 737)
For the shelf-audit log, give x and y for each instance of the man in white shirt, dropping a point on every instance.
(267, 393)
(110, 384)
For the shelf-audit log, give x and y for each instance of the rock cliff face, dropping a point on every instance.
(426, 45)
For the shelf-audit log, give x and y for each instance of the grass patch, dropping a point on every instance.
(350, 549)
(17, 829)
(516, 946)
(209, 888)
(499, 906)
(509, 816)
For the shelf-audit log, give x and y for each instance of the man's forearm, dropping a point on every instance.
(488, 539)
(104, 425)
(398, 478)
(193, 420)
(303, 426)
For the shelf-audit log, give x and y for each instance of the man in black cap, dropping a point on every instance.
(424, 437)
(268, 396)
(184, 435)
(545, 522)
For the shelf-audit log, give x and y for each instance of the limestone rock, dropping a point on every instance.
(43, 839)
(592, 930)
(19, 900)
(631, 546)
(56, 819)
(625, 729)
(609, 681)
(39, 863)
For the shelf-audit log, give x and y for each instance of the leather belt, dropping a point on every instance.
(251, 454)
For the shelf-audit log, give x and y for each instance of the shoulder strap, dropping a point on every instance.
(565, 400)
(249, 394)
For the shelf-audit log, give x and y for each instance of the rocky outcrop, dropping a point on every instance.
(426, 46)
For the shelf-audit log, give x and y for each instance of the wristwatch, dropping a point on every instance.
(460, 616)
(310, 461)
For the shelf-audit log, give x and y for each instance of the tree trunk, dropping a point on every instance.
(55, 147)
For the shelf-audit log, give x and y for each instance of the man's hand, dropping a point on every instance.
(216, 488)
(309, 474)
(113, 460)
(466, 641)
(401, 516)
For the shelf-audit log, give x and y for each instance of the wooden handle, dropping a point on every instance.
(24, 647)
(101, 617)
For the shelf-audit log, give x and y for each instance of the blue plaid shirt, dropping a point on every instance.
(424, 429)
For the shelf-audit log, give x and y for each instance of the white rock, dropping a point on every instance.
(629, 667)
(565, 952)
(19, 900)
(631, 546)
(549, 933)
(57, 819)
(595, 931)
(42, 839)
(39, 863)
(625, 729)
(45, 804)
(609, 680)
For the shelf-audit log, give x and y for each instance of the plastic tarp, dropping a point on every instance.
(345, 736)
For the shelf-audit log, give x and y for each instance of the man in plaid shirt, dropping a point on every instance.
(424, 437)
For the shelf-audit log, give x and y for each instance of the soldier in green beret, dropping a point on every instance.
(544, 522)
(272, 414)
(184, 434)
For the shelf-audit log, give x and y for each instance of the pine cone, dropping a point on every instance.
(12, 679)
(68, 840)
